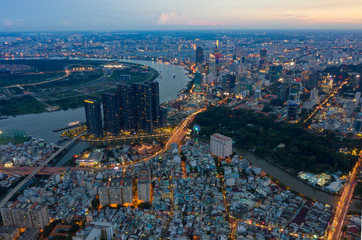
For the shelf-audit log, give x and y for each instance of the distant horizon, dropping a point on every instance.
(115, 15)
(188, 30)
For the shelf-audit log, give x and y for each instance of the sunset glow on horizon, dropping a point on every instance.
(22, 15)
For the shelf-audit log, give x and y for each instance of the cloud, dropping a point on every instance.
(66, 23)
(8, 23)
(13, 23)
(173, 18)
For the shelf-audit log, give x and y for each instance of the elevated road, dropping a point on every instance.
(344, 203)
(46, 170)
(37, 169)
(176, 136)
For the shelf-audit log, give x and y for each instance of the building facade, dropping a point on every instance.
(93, 117)
(25, 215)
(220, 145)
(143, 185)
(111, 113)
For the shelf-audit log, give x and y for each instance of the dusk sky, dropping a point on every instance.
(99, 15)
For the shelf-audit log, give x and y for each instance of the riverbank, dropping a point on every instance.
(292, 182)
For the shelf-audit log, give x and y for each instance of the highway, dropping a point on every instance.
(344, 203)
(37, 169)
(176, 136)
(67, 73)
(46, 170)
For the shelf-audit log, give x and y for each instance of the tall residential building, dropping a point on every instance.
(93, 117)
(127, 111)
(220, 145)
(111, 113)
(127, 193)
(115, 191)
(25, 215)
(142, 94)
(103, 193)
(163, 117)
(155, 103)
(199, 55)
(106, 229)
(143, 185)
(110, 192)
(139, 106)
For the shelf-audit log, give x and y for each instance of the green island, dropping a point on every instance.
(49, 85)
(289, 146)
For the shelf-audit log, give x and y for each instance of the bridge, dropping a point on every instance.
(22, 171)
(37, 169)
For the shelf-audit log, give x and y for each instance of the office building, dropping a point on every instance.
(282, 92)
(143, 185)
(199, 55)
(93, 117)
(275, 72)
(220, 145)
(111, 113)
(314, 95)
(25, 215)
(197, 82)
(228, 83)
(358, 123)
(293, 108)
(263, 58)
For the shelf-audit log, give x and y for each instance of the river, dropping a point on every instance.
(172, 80)
(41, 125)
(294, 183)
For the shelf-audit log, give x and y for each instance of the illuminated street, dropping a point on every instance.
(344, 203)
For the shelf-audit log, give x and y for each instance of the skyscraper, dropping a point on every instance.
(263, 57)
(111, 113)
(93, 117)
(142, 94)
(139, 106)
(127, 111)
(155, 103)
(199, 55)
(228, 83)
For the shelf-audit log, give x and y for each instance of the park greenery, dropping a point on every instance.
(21, 105)
(67, 92)
(137, 73)
(288, 145)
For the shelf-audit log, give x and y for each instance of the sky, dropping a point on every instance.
(123, 15)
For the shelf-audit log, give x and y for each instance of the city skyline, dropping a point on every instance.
(113, 15)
